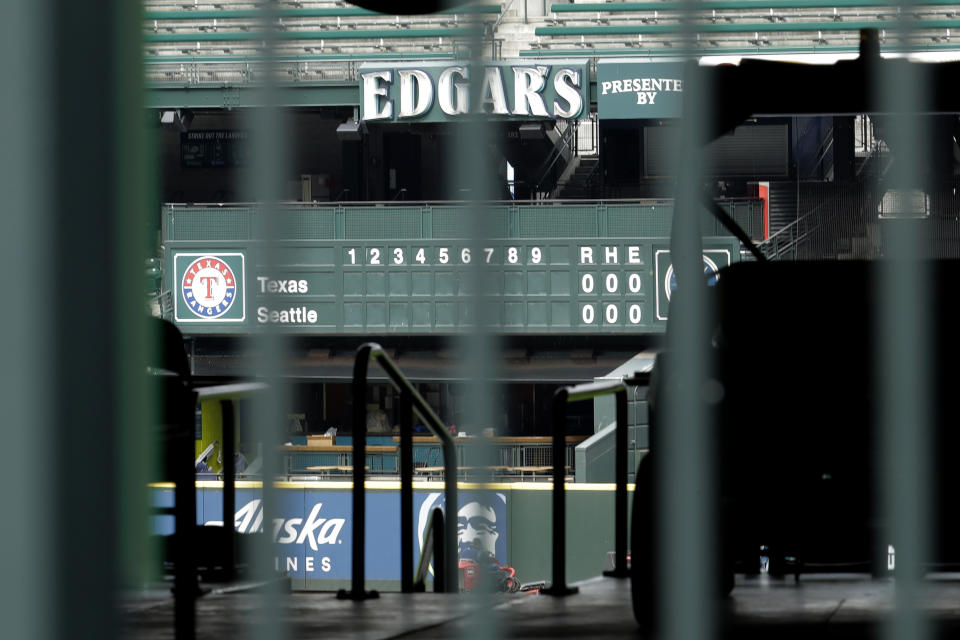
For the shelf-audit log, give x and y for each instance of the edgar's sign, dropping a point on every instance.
(209, 287)
(639, 89)
(436, 93)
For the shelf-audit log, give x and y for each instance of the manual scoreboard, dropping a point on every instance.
(528, 286)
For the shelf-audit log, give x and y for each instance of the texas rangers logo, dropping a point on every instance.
(208, 287)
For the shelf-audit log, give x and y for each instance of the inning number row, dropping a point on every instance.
(376, 256)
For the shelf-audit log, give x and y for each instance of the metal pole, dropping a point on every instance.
(359, 490)
(27, 159)
(620, 498)
(229, 488)
(440, 582)
(905, 385)
(559, 523)
(685, 517)
(185, 510)
(439, 430)
(450, 521)
(406, 492)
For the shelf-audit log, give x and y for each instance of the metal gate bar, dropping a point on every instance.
(904, 348)
(411, 399)
(561, 399)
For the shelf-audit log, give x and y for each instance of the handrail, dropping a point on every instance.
(502, 13)
(563, 397)
(384, 204)
(555, 155)
(731, 225)
(322, 12)
(703, 50)
(788, 229)
(412, 399)
(720, 5)
(794, 236)
(226, 395)
(822, 150)
(352, 34)
(736, 27)
(789, 238)
(432, 546)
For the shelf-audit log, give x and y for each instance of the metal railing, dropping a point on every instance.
(160, 304)
(432, 547)
(227, 395)
(410, 401)
(787, 241)
(171, 372)
(634, 217)
(563, 397)
(515, 458)
(565, 146)
(503, 12)
(233, 70)
(834, 216)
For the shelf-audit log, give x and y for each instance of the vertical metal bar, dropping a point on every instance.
(358, 568)
(449, 529)
(620, 548)
(441, 549)
(180, 452)
(477, 342)
(686, 523)
(620, 497)
(30, 359)
(359, 430)
(406, 492)
(135, 182)
(264, 180)
(83, 248)
(559, 517)
(229, 488)
(449, 448)
(904, 350)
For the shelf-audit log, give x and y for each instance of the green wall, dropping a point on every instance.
(590, 535)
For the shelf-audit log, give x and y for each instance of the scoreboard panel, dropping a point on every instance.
(417, 286)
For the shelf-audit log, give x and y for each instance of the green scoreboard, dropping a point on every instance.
(579, 285)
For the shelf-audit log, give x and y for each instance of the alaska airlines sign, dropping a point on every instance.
(424, 92)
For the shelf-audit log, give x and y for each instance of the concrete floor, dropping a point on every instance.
(819, 607)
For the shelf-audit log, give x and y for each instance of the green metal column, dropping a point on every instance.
(264, 180)
(685, 451)
(904, 353)
(28, 534)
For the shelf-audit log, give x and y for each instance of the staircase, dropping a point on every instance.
(541, 160)
(783, 205)
(835, 222)
(864, 245)
(580, 182)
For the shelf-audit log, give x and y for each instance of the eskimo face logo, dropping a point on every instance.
(208, 287)
(481, 523)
